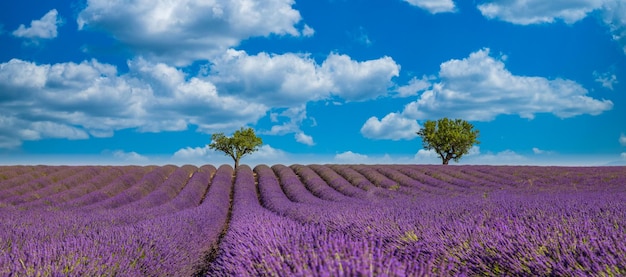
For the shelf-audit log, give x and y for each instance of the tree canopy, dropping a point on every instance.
(243, 142)
(451, 139)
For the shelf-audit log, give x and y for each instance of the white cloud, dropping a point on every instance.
(183, 31)
(350, 157)
(525, 12)
(623, 155)
(304, 138)
(479, 88)
(44, 28)
(614, 16)
(622, 139)
(607, 79)
(193, 152)
(393, 126)
(69, 100)
(307, 31)
(415, 85)
(538, 151)
(130, 157)
(268, 155)
(427, 156)
(293, 79)
(357, 81)
(434, 6)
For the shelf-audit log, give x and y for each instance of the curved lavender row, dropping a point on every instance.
(274, 198)
(496, 182)
(292, 186)
(260, 243)
(192, 235)
(41, 182)
(9, 172)
(89, 245)
(433, 184)
(111, 189)
(195, 190)
(437, 173)
(358, 180)
(103, 178)
(455, 175)
(316, 185)
(81, 176)
(37, 172)
(337, 182)
(382, 181)
(411, 181)
(165, 191)
(147, 184)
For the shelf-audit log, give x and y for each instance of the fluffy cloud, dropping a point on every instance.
(188, 30)
(538, 11)
(415, 85)
(304, 138)
(357, 81)
(479, 88)
(75, 101)
(350, 157)
(525, 12)
(44, 28)
(393, 126)
(290, 79)
(130, 157)
(434, 6)
(622, 139)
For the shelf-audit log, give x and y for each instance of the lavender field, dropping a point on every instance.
(312, 220)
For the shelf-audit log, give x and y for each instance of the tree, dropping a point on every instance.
(243, 142)
(451, 139)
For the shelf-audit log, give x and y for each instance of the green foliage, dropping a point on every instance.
(243, 142)
(451, 139)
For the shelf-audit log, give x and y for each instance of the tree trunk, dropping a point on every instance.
(447, 158)
(236, 163)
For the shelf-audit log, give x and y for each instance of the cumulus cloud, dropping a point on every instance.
(414, 86)
(525, 12)
(357, 81)
(607, 79)
(393, 126)
(130, 157)
(479, 88)
(183, 31)
(623, 155)
(622, 139)
(434, 6)
(75, 101)
(293, 79)
(44, 28)
(304, 139)
(350, 157)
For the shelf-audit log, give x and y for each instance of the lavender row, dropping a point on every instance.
(316, 185)
(105, 177)
(147, 184)
(95, 243)
(38, 183)
(84, 175)
(293, 187)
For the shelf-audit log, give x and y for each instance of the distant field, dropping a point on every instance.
(312, 220)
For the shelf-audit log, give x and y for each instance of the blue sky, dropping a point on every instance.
(321, 81)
